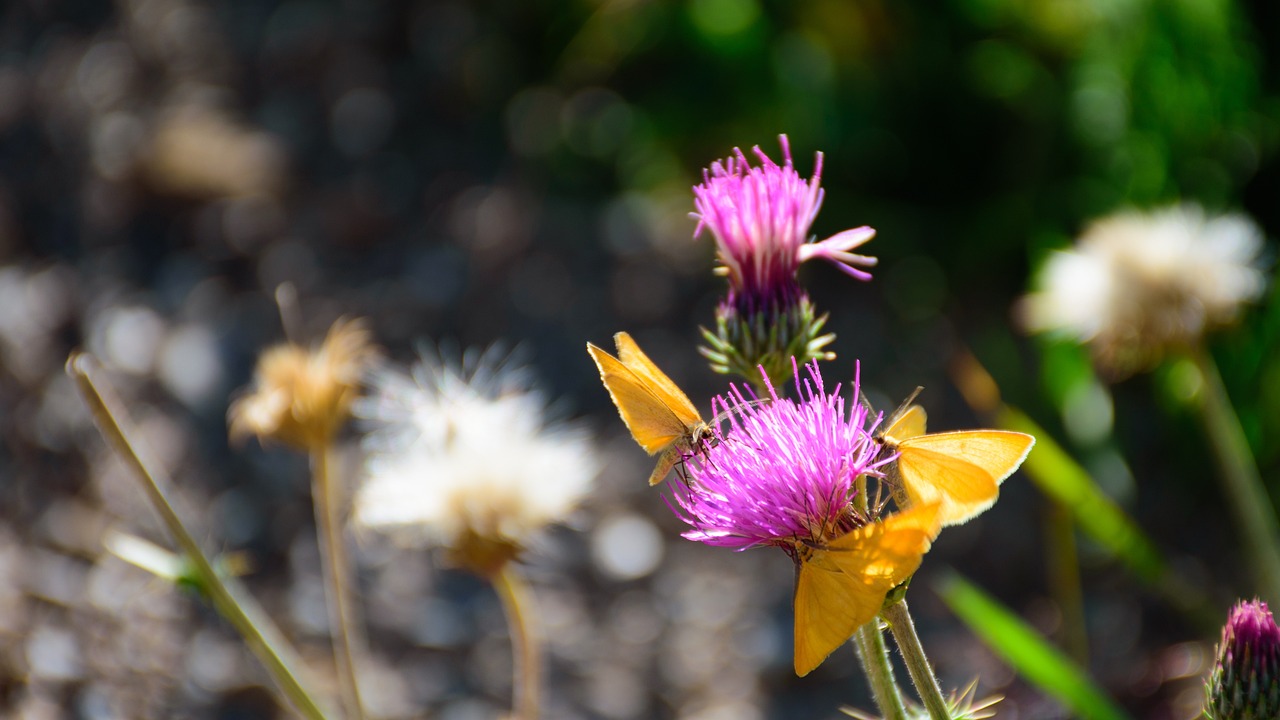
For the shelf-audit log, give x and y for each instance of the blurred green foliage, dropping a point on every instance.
(1027, 651)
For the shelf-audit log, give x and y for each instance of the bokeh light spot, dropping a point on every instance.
(626, 547)
(722, 18)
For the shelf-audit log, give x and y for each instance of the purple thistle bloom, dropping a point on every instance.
(783, 473)
(760, 217)
(1245, 682)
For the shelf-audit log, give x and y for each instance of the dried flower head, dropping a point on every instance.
(760, 218)
(1140, 284)
(302, 397)
(1245, 681)
(462, 455)
(786, 474)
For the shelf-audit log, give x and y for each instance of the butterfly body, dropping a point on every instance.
(961, 471)
(659, 415)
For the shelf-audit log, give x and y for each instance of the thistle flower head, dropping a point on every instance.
(1140, 284)
(784, 473)
(760, 217)
(1245, 681)
(463, 456)
(301, 397)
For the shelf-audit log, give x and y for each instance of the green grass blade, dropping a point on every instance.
(1029, 654)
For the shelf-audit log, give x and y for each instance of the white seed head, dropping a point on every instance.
(456, 452)
(1139, 284)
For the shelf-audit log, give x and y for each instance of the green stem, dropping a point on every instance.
(1255, 514)
(904, 632)
(874, 656)
(333, 556)
(517, 602)
(1064, 581)
(262, 637)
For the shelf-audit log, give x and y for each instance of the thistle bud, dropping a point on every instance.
(1245, 682)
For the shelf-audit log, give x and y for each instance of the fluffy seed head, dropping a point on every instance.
(462, 455)
(1140, 284)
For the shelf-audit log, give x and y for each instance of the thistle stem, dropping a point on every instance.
(239, 609)
(874, 656)
(1064, 580)
(904, 632)
(1254, 511)
(333, 556)
(517, 603)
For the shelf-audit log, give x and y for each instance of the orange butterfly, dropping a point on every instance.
(961, 471)
(841, 586)
(659, 415)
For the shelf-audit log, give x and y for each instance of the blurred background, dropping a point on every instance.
(512, 171)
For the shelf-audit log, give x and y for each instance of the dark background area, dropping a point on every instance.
(520, 172)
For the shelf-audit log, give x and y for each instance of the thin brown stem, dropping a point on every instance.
(333, 555)
(517, 602)
(262, 637)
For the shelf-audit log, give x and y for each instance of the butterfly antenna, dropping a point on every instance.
(902, 409)
(862, 400)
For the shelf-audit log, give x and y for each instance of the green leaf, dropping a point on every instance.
(1026, 651)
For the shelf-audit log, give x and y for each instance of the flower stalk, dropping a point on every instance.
(874, 656)
(337, 576)
(904, 632)
(1064, 580)
(1253, 509)
(262, 637)
(517, 604)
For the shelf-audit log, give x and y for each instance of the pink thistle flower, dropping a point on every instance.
(760, 217)
(784, 473)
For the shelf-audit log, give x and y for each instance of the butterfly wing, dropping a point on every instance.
(653, 424)
(830, 607)
(662, 387)
(961, 471)
(907, 423)
(841, 588)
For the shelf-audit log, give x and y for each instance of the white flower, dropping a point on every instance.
(460, 456)
(1138, 284)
